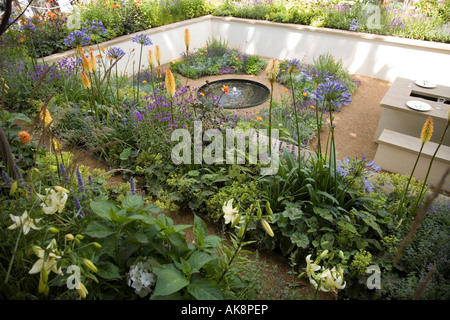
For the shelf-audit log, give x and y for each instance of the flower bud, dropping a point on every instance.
(88, 263)
(79, 236)
(241, 232)
(82, 291)
(236, 220)
(267, 227)
(69, 237)
(53, 230)
(258, 214)
(324, 254)
(14, 187)
(97, 245)
(36, 170)
(268, 208)
(341, 254)
(61, 189)
(44, 275)
(244, 197)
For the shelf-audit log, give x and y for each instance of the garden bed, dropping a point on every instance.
(332, 215)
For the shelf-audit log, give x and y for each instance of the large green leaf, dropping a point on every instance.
(199, 258)
(300, 240)
(204, 289)
(97, 229)
(169, 281)
(200, 230)
(108, 270)
(132, 202)
(101, 209)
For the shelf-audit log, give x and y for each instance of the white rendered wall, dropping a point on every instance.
(375, 56)
(369, 55)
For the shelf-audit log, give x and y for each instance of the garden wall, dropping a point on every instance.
(381, 57)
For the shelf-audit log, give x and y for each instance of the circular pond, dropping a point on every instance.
(241, 93)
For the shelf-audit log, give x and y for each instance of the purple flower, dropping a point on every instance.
(78, 207)
(94, 28)
(142, 39)
(332, 92)
(353, 25)
(115, 53)
(132, 186)
(77, 39)
(80, 181)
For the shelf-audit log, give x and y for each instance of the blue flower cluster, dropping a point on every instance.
(77, 38)
(115, 53)
(94, 28)
(332, 92)
(142, 39)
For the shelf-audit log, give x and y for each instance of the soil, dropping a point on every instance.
(354, 135)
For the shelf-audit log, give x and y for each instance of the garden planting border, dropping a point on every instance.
(371, 55)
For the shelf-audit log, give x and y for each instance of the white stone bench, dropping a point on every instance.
(398, 152)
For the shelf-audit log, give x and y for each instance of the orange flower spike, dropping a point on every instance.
(85, 80)
(187, 38)
(427, 130)
(259, 118)
(93, 61)
(150, 59)
(225, 89)
(24, 137)
(312, 107)
(21, 39)
(170, 83)
(158, 54)
(85, 63)
(305, 94)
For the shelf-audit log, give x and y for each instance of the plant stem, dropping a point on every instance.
(296, 122)
(13, 255)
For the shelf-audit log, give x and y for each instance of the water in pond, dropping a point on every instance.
(241, 93)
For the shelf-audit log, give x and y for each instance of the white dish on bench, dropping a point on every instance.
(426, 84)
(418, 105)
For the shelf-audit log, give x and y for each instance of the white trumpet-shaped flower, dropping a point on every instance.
(230, 213)
(24, 221)
(311, 267)
(46, 261)
(54, 200)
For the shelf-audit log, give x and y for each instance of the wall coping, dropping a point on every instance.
(426, 45)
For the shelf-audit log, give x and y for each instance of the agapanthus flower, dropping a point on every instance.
(333, 92)
(94, 28)
(77, 38)
(115, 53)
(353, 25)
(142, 39)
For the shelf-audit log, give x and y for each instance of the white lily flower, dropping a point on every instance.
(53, 201)
(230, 213)
(50, 260)
(311, 267)
(24, 221)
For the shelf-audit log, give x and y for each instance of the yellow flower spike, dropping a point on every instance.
(93, 62)
(272, 70)
(88, 263)
(170, 83)
(85, 80)
(46, 118)
(267, 227)
(187, 38)
(85, 63)
(427, 130)
(151, 59)
(82, 291)
(56, 144)
(158, 54)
